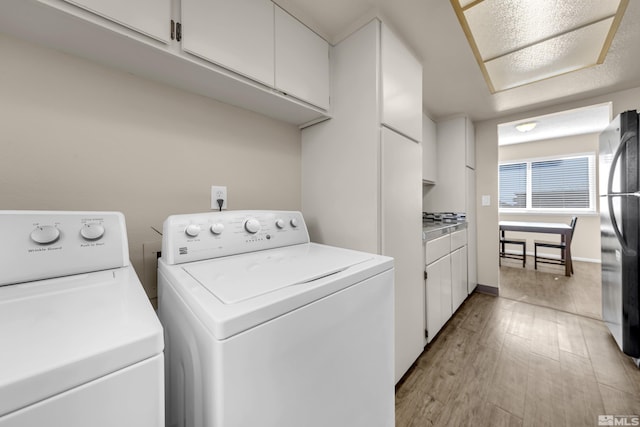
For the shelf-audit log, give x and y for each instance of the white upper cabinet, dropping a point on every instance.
(301, 61)
(237, 35)
(149, 17)
(448, 195)
(470, 143)
(401, 87)
(227, 48)
(429, 150)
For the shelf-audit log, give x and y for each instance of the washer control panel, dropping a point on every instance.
(39, 245)
(195, 237)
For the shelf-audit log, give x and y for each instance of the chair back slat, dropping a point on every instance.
(573, 224)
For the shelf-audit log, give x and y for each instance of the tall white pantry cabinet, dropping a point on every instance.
(362, 169)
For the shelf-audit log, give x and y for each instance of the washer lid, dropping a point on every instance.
(57, 334)
(242, 277)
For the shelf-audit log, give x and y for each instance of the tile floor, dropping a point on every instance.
(549, 287)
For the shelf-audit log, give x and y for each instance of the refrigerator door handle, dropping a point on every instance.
(636, 194)
(623, 142)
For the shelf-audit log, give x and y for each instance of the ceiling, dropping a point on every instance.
(579, 121)
(452, 80)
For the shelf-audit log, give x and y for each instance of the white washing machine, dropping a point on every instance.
(264, 328)
(80, 344)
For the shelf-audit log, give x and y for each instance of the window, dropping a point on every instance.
(565, 184)
(513, 185)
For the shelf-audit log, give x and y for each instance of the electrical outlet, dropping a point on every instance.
(218, 192)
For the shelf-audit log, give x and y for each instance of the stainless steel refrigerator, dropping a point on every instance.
(619, 230)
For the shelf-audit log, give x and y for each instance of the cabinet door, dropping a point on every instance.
(446, 195)
(446, 290)
(438, 295)
(149, 17)
(401, 238)
(433, 313)
(470, 143)
(401, 87)
(472, 262)
(235, 34)
(458, 277)
(464, 272)
(302, 61)
(429, 150)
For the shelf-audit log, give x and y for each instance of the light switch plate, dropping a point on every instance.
(486, 200)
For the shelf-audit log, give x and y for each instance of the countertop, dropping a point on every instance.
(433, 230)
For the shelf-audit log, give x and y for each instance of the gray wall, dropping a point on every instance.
(76, 135)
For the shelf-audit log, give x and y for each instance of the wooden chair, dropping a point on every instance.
(503, 254)
(562, 245)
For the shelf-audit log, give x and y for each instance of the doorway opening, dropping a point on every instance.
(548, 174)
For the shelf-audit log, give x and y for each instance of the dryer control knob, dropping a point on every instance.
(92, 231)
(294, 222)
(45, 234)
(252, 225)
(192, 230)
(217, 228)
(280, 223)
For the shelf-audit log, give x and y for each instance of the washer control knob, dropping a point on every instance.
(280, 223)
(45, 234)
(217, 228)
(92, 231)
(293, 222)
(252, 225)
(192, 230)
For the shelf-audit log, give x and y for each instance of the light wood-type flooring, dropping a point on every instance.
(501, 362)
(549, 287)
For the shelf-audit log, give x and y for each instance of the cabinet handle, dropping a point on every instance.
(178, 31)
(173, 26)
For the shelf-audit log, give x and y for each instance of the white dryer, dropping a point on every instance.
(80, 344)
(264, 328)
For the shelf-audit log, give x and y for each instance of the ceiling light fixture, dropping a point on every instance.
(517, 42)
(526, 127)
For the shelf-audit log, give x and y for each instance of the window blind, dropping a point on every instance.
(560, 184)
(553, 184)
(513, 185)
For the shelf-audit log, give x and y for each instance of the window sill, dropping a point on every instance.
(547, 212)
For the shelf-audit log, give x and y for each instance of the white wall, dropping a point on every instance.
(487, 173)
(585, 245)
(76, 135)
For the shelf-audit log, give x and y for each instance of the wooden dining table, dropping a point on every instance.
(564, 230)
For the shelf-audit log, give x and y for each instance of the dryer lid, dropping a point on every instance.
(241, 277)
(58, 334)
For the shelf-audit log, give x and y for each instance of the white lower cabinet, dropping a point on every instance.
(446, 279)
(459, 268)
(438, 295)
(458, 277)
